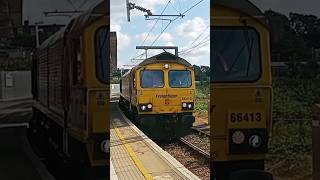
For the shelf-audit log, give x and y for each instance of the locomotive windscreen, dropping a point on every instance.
(152, 79)
(103, 54)
(235, 54)
(180, 78)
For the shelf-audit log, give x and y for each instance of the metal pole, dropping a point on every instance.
(128, 10)
(159, 47)
(37, 33)
(146, 53)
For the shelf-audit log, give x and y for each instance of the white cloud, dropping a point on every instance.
(165, 37)
(123, 40)
(199, 52)
(115, 27)
(170, 44)
(182, 36)
(199, 56)
(119, 16)
(192, 28)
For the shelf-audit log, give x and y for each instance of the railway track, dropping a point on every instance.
(191, 159)
(192, 151)
(203, 129)
(206, 154)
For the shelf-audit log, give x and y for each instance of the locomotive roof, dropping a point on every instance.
(101, 8)
(76, 25)
(54, 38)
(164, 57)
(244, 6)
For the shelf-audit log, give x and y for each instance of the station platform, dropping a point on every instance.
(18, 161)
(135, 156)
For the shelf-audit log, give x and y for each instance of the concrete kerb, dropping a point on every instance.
(113, 174)
(35, 161)
(16, 99)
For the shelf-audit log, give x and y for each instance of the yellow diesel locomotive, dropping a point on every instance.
(241, 92)
(159, 95)
(71, 90)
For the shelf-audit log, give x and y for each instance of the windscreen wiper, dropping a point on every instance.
(101, 53)
(249, 44)
(246, 34)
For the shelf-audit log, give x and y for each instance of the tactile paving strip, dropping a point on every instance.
(134, 155)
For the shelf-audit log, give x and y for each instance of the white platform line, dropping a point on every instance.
(37, 164)
(11, 125)
(113, 174)
(162, 153)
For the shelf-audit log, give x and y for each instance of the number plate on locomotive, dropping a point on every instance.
(246, 117)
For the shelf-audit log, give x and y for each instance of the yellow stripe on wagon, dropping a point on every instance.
(133, 156)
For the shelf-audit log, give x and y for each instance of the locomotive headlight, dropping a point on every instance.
(143, 107)
(255, 141)
(105, 146)
(252, 141)
(238, 137)
(166, 66)
(187, 106)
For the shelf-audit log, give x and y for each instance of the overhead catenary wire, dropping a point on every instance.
(205, 39)
(192, 6)
(156, 39)
(188, 50)
(198, 37)
(76, 9)
(198, 47)
(179, 5)
(153, 26)
(166, 27)
(83, 4)
(175, 20)
(204, 43)
(73, 6)
(179, 12)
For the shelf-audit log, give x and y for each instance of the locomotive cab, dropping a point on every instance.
(241, 92)
(163, 89)
(71, 92)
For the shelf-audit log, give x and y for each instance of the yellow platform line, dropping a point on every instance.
(133, 156)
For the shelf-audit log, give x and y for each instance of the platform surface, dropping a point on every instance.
(17, 161)
(135, 156)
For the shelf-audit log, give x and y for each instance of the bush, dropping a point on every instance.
(293, 99)
(202, 98)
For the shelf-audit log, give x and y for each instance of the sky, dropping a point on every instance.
(188, 33)
(181, 32)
